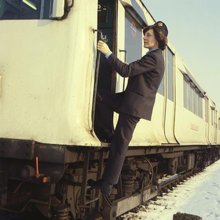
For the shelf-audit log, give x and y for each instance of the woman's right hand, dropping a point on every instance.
(103, 47)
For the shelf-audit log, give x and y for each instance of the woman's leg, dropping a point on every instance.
(121, 139)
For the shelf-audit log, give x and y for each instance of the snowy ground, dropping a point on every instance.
(199, 196)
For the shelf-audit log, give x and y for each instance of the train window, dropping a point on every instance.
(200, 108)
(191, 98)
(212, 117)
(196, 101)
(185, 91)
(219, 124)
(170, 74)
(161, 87)
(133, 38)
(206, 110)
(25, 9)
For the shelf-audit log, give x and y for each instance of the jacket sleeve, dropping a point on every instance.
(146, 64)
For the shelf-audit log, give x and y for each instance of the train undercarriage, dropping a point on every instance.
(53, 179)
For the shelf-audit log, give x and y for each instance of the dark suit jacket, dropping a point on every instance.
(145, 76)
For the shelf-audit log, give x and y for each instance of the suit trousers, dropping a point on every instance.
(106, 103)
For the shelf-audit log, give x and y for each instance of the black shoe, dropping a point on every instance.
(104, 135)
(101, 185)
(108, 135)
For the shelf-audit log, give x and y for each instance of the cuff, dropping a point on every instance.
(108, 54)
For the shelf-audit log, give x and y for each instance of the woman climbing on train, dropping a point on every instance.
(134, 103)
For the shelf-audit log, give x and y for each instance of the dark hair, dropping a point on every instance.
(160, 37)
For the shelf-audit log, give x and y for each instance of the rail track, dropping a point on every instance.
(165, 185)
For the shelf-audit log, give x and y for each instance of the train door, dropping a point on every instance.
(106, 19)
(207, 119)
(170, 91)
(104, 76)
(122, 23)
(212, 124)
(130, 22)
(215, 126)
(129, 36)
(218, 130)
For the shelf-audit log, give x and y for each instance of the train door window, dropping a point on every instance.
(212, 116)
(170, 74)
(190, 97)
(196, 104)
(161, 87)
(206, 110)
(219, 124)
(185, 91)
(25, 9)
(133, 38)
(200, 107)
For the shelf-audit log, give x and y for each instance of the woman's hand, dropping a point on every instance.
(103, 47)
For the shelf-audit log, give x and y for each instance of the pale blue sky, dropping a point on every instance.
(194, 30)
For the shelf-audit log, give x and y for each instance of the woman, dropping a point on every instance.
(135, 102)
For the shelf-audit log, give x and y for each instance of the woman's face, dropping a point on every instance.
(150, 41)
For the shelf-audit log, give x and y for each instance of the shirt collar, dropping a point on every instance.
(151, 50)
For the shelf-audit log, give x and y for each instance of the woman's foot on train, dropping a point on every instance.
(108, 135)
(104, 134)
(105, 187)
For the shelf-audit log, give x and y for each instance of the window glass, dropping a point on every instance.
(188, 96)
(185, 91)
(25, 9)
(133, 38)
(161, 87)
(196, 104)
(212, 117)
(206, 111)
(105, 13)
(170, 74)
(192, 99)
(200, 111)
(218, 124)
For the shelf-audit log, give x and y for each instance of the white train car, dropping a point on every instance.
(49, 75)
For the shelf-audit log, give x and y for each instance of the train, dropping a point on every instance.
(50, 71)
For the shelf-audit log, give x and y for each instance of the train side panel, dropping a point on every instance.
(47, 86)
(190, 129)
(151, 133)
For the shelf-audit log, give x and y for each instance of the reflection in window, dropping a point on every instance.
(133, 38)
(30, 4)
